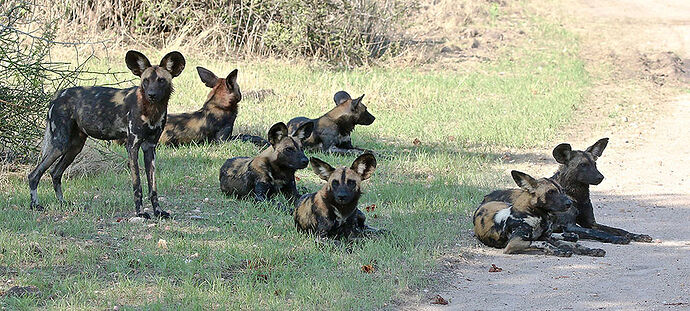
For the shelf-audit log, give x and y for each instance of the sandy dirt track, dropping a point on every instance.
(646, 190)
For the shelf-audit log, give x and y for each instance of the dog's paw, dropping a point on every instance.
(570, 236)
(161, 214)
(642, 238)
(36, 207)
(596, 252)
(144, 215)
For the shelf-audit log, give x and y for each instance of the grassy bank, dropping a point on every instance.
(242, 255)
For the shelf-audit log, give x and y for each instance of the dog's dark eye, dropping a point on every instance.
(351, 183)
(584, 164)
(335, 183)
(161, 80)
(290, 149)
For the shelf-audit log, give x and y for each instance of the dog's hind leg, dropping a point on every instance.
(55, 142)
(577, 248)
(520, 245)
(73, 149)
(623, 233)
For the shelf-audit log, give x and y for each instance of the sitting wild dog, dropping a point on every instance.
(215, 120)
(137, 114)
(332, 211)
(578, 170)
(273, 170)
(332, 130)
(524, 225)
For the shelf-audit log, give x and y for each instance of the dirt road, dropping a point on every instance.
(646, 190)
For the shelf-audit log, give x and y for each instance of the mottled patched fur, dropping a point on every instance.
(332, 211)
(215, 120)
(270, 172)
(137, 114)
(525, 224)
(332, 130)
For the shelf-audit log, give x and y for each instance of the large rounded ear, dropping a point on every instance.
(208, 77)
(364, 165)
(341, 97)
(524, 181)
(598, 148)
(562, 153)
(173, 62)
(231, 79)
(321, 168)
(356, 102)
(304, 131)
(277, 132)
(136, 62)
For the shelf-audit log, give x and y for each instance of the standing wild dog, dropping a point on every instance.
(525, 224)
(332, 130)
(332, 211)
(137, 114)
(273, 170)
(578, 170)
(215, 120)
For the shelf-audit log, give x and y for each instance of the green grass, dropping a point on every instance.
(245, 255)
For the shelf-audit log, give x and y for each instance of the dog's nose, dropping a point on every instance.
(151, 95)
(568, 203)
(341, 197)
(304, 161)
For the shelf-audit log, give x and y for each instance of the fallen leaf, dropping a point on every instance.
(297, 178)
(438, 300)
(148, 237)
(416, 142)
(561, 277)
(368, 269)
(162, 244)
(370, 208)
(262, 277)
(195, 255)
(494, 268)
(451, 138)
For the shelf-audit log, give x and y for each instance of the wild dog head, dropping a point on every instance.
(287, 149)
(225, 92)
(545, 193)
(343, 184)
(156, 81)
(354, 108)
(580, 166)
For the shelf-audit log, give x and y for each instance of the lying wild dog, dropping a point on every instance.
(273, 170)
(332, 130)
(215, 120)
(578, 170)
(332, 211)
(137, 114)
(525, 224)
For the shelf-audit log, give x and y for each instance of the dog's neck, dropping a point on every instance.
(578, 191)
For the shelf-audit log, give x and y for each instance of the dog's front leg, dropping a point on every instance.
(594, 234)
(579, 249)
(149, 150)
(133, 151)
(620, 232)
(262, 191)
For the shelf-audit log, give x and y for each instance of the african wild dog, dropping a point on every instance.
(137, 114)
(215, 120)
(332, 211)
(332, 130)
(525, 224)
(273, 170)
(578, 170)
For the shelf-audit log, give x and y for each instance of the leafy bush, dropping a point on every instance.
(345, 32)
(28, 78)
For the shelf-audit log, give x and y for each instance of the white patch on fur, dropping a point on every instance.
(338, 217)
(50, 111)
(97, 94)
(532, 221)
(63, 93)
(502, 215)
(142, 64)
(34, 193)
